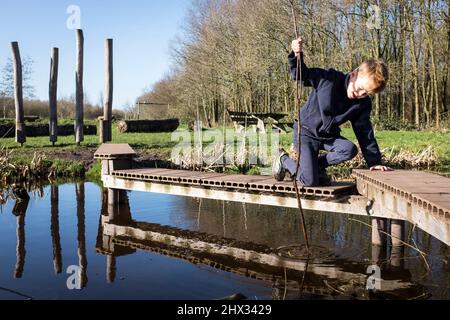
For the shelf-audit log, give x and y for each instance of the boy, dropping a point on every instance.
(335, 99)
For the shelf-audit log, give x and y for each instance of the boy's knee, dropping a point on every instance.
(309, 180)
(353, 151)
(350, 152)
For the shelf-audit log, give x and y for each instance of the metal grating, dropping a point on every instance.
(263, 184)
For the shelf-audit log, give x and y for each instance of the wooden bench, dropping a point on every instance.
(31, 118)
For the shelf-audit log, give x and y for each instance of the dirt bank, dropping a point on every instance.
(86, 155)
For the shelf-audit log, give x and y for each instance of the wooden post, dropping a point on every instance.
(112, 203)
(107, 107)
(18, 94)
(397, 232)
(79, 96)
(110, 268)
(54, 227)
(19, 210)
(379, 226)
(82, 258)
(397, 258)
(378, 254)
(101, 131)
(53, 90)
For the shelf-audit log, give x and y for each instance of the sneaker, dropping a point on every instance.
(324, 179)
(278, 171)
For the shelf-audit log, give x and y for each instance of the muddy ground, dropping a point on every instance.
(86, 156)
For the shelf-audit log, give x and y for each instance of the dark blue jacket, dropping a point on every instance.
(328, 107)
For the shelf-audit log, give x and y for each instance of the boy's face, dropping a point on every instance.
(360, 85)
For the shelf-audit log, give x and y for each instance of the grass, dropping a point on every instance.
(145, 141)
(94, 173)
(37, 167)
(415, 142)
(160, 144)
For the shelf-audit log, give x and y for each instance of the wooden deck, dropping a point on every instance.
(420, 198)
(230, 182)
(425, 190)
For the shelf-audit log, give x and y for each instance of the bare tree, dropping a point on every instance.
(232, 55)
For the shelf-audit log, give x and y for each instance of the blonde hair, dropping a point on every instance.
(377, 70)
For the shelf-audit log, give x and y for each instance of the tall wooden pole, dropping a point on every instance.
(79, 113)
(18, 94)
(107, 107)
(52, 92)
(82, 257)
(54, 228)
(19, 210)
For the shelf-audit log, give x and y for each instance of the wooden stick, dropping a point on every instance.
(299, 87)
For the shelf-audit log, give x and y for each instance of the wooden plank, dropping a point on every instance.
(346, 204)
(112, 151)
(430, 191)
(240, 182)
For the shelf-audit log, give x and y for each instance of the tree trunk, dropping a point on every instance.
(415, 73)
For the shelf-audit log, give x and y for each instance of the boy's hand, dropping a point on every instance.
(297, 46)
(381, 168)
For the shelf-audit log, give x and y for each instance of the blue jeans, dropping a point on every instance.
(339, 150)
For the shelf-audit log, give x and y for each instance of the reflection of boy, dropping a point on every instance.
(335, 99)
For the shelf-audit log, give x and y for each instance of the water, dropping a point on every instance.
(168, 247)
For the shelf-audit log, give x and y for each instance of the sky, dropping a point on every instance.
(142, 31)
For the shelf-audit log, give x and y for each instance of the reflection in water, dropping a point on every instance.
(397, 257)
(324, 277)
(19, 210)
(54, 227)
(379, 255)
(233, 238)
(79, 190)
(120, 214)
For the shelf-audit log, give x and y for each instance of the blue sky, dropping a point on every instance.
(142, 31)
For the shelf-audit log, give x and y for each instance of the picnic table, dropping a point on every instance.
(258, 120)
